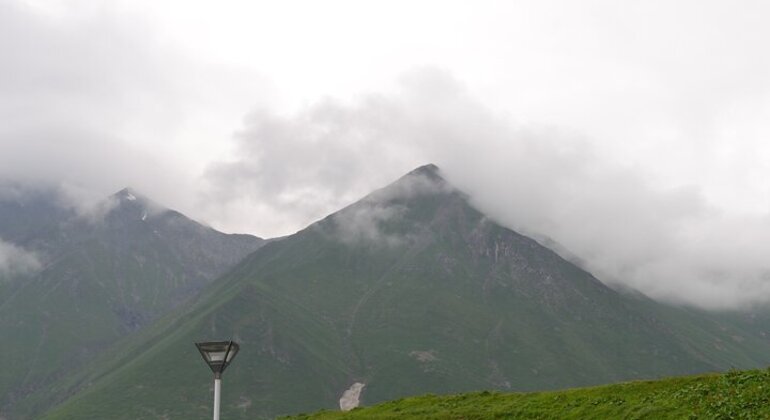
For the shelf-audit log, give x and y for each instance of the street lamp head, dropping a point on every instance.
(218, 354)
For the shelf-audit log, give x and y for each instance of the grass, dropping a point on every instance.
(732, 395)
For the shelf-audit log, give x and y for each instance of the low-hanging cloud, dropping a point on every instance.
(669, 243)
(363, 225)
(367, 222)
(15, 261)
(95, 99)
(63, 199)
(90, 102)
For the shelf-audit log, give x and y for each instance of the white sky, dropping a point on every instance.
(678, 87)
(675, 92)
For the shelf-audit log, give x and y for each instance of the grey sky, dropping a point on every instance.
(633, 133)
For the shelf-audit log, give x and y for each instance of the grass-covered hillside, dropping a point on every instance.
(101, 278)
(408, 291)
(733, 395)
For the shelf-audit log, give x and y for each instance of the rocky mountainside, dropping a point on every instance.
(100, 276)
(408, 291)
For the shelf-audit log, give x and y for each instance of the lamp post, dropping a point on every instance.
(218, 355)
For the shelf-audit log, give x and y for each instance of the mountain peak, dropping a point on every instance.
(424, 180)
(128, 202)
(132, 197)
(430, 171)
(396, 213)
(128, 194)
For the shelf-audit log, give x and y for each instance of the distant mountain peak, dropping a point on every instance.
(393, 215)
(429, 171)
(130, 203)
(428, 168)
(128, 194)
(424, 180)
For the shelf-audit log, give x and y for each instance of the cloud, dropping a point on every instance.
(63, 200)
(16, 261)
(365, 225)
(84, 203)
(421, 182)
(70, 89)
(300, 167)
(670, 243)
(95, 98)
(377, 219)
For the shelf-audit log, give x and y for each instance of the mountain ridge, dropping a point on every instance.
(104, 274)
(409, 290)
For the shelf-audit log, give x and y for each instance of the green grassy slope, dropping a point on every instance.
(410, 290)
(741, 334)
(733, 395)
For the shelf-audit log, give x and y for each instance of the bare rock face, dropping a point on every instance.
(350, 398)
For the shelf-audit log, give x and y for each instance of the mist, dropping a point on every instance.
(670, 243)
(632, 137)
(94, 99)
(15, 261)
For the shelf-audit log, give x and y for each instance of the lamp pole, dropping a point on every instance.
(217, 395)
(218, 355)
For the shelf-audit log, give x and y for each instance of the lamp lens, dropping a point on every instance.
(217, 356)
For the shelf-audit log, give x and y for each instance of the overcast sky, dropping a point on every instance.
(634, 133)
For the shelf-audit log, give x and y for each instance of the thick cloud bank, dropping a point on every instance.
(669, 243)
(95, 98)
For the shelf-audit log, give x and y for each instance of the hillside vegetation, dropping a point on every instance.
(733, 395)
(411, 290)
(101, 278)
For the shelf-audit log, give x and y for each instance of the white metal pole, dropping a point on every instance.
(217, 393)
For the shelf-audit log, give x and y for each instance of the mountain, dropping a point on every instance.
(407, 291)
(24, 210)
(103, 274)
